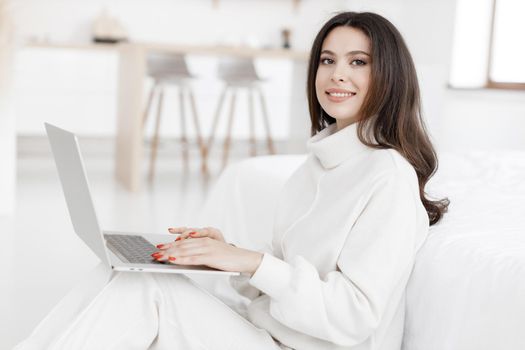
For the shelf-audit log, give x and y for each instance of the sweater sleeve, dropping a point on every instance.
(346, 306)
(241, 283)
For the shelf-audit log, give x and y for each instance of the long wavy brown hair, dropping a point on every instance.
(391, 111)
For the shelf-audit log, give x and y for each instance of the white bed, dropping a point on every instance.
(467, 290)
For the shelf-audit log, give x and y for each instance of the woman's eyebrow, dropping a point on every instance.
(350, 53)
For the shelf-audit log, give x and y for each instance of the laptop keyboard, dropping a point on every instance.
(131, 249)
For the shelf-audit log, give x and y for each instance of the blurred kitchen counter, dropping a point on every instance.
(238, 51)
(131, 83)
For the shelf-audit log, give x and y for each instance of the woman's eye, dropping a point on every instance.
(327, 61)
(358, 63)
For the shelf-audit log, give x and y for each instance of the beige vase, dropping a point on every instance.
(7, 116)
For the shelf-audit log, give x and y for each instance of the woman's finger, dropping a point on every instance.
(215, 233)
(168, 245)
(188, 260)
(203, 232)
(208, 252)
(164, 246)
(191, 232)
(212, 232)
(192, 251)
(160, 256)
(184, 247)
(177, 229)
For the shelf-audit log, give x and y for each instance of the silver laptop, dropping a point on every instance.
(119, 250)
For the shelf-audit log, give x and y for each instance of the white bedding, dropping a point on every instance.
(467, 290)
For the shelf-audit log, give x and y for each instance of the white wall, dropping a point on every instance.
(457, 119)
(77, 89)
(483, 120)
(180, 21)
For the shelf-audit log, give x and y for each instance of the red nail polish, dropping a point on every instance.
(155, 254)
(172, 258)
(178, 239)
(193, 233)
(160, 246)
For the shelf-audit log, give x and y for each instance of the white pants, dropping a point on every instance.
(153, 311)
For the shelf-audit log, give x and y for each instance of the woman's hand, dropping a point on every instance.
(186, 232)
(207, 247)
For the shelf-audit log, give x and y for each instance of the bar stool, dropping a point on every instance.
(237, 74)
(171, 69)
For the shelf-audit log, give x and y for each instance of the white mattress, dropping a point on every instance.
(467, 290)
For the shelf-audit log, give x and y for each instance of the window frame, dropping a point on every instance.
(491, 84)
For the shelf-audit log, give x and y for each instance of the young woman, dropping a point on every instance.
(348, 225)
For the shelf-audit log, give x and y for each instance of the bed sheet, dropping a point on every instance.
(467, 289)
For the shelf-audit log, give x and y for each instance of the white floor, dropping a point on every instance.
(41, 255)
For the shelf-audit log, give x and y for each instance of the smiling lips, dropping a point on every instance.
(339, 95)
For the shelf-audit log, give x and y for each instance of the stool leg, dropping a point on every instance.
(202, 145)
(271, 149)
(215, 121)
(184, 139)
(155, 142)
(228, 135)
(148, 105)
(253, 148)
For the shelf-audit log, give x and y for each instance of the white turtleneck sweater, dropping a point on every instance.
(348, 224)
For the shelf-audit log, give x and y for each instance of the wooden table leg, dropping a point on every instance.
(7, 132)
(129, 146)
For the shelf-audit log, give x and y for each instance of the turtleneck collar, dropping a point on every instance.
(333, 147)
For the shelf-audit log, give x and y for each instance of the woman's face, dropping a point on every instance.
(343, 75)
